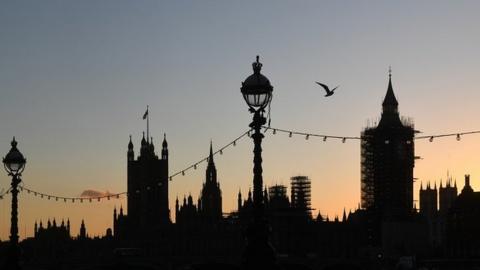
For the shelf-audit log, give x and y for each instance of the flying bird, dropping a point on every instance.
(327, 89)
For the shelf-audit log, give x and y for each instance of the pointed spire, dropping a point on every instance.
(344, 217)
(144, 142)
(441, 184)
(390, 98)
(210, 156)
(421, 185)
(130, 144)
(164, 143)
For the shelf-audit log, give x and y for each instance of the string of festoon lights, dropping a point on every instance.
(220, 151)
(108, 196)
(2, 194)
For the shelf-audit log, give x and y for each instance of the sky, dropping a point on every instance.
(76, 77)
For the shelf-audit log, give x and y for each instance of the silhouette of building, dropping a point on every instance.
(147, 184)
(448, 195)
(428, 201)
(387, 161)
(463, 221)
(301, 194)
(52, 231)
(186, 213)
(210, 201)
(209, 204)
(278, 199)
(83, 231)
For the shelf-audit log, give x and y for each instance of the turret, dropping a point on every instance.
(130, 153)
(68, 226)
(239, 200)
(83, 231)
(152, 147)
(143, 146)
(190, 200)
(467, 188)
(164, 147)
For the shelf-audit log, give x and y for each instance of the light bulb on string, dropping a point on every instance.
(290, 134)
(431, 139)
(324, 138)
(458, 137)
(307, 136)
(274, 131)
(344, 139)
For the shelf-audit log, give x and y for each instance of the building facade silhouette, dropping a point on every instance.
(147, 188)
(387, 162)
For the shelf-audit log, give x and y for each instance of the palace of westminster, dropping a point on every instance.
(387, 223)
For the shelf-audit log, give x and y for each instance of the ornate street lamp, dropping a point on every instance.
(14, 163)
(257, 92)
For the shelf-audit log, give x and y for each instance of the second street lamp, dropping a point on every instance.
(14, 163)
(257, 92)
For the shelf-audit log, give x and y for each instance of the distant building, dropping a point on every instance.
(301, 194)
(52, 231)
(448, 195)
(147, 184)
(463, 221)
(428, 201)
(210, 206)
(387, 161)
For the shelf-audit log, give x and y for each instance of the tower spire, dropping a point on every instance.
(390, 102)
(210, 156)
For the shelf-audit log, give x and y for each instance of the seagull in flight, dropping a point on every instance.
(327, 89)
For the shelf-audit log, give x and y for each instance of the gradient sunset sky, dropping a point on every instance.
(76, 77)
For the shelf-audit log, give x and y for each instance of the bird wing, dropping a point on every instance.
(324, 86)
(335, 88)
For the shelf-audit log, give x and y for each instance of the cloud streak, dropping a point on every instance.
(90, 193)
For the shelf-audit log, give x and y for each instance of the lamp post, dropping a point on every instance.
(14, 163)
(257, 92)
